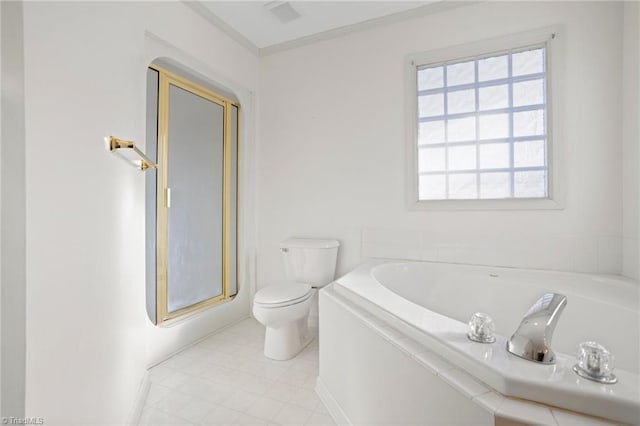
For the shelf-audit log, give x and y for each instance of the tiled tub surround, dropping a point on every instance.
(413, 335)
(599, 254)
(226, 380)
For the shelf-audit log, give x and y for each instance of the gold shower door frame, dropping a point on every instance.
(167, 79)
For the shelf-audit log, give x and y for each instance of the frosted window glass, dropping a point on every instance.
(461, 129)
(432, 187)
(494, 156)
(529, 154)
(495, 185)
(194, 267)
(530, 184)
(528, 123)
(431, 105)
(493, 68)
(463, 186)
(462, 157)
(493, 97)
(431, 132)
(431, 159)
(430, 78)
(528, 93)
(494, 126)
(479, 112)
(461, 101)
(528, 62)
(461, 73)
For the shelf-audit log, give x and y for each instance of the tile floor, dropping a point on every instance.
(226, 380)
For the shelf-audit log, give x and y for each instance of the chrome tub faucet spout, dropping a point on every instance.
(532, 339)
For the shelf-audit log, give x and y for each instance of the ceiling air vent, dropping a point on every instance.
(282, 10)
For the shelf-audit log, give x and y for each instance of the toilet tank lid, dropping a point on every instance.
(309, 243)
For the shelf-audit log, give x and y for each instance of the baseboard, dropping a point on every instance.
(334, 409)
(141, 398)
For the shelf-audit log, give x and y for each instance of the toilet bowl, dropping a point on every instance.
(283, 308)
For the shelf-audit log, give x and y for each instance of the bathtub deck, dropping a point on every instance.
(387, 343)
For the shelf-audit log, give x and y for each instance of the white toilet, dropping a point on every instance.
(283, 308)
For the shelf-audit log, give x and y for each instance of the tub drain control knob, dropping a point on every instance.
(595, 362)
(481, 328)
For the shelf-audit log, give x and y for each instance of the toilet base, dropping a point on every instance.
(286, 340)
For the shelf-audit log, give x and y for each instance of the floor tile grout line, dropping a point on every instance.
(293, 374)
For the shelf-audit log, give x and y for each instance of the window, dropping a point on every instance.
(481, 122)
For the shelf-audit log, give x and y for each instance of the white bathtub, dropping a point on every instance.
(437, 299)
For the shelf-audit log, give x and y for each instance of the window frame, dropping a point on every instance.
(551, 38)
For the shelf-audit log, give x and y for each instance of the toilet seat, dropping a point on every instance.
(278, 295)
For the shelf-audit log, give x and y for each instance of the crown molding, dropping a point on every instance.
(427, 9)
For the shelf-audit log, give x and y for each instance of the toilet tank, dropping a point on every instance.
(310, 261)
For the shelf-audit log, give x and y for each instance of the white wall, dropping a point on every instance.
(12, 212)
(88, 336)
(332, 138)
(631, 141)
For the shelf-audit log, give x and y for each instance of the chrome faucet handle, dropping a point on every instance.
(532, 339)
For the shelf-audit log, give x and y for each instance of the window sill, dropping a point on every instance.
(506, 204)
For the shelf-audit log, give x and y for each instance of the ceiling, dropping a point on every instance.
(265, 25)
